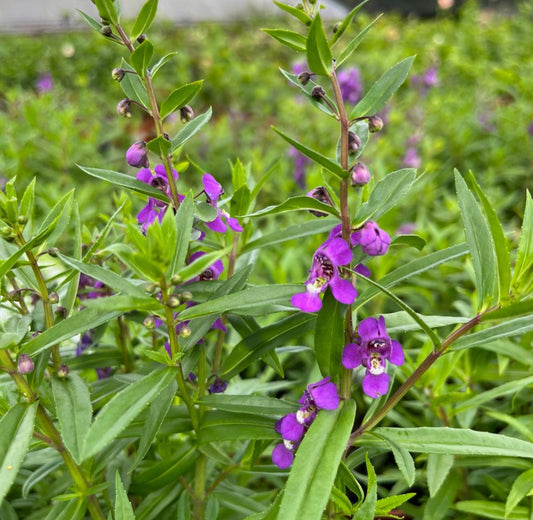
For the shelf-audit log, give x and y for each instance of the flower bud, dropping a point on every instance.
(176, 279)
(53, 297)
(25, 364)
(117, 74)
(304, 78)
(22, 219)
(62, 371)
(354, 142)
(359, 175)
(106, 30)
(217, 386)
(185, 296)
(185, 332)
(321, 194)
(149, 322)
(61, 312)
(141, 38)
(6, 231)
(336, 27)
(186, 113)
(318, 92)
(136, 155)
(53, 252)
(375, 124)
(124, 108)
(150, 287)
(173, 301)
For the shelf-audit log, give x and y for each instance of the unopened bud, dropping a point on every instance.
(117, 74)
(375, 124)
(149, 322)
(62, 371)
(141, 38)
(185, 332)
(186, 113)
(354, 142)
(22, 219)
(321, 194)
(336, 27)
(173, 301)
(25, 364)
(136, 155)
(61, 311)
(185, 296)
(359, 174)
(150, 287)
(176, 279)
(318, 92)
(304, 78)
(6, 231)
(53, 297)
(53, 251)
(106, 30)
(124, 108)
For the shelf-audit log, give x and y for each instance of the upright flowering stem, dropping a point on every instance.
(154, 112)
(346, 381)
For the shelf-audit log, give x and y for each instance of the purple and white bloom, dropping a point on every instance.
(211, 273)
(324, 273)
(372, 239)
(321, 395)
(213, 190)
(372, 350)
(136, 155)
(155, 208)
(350, 84)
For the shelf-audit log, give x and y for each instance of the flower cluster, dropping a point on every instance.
(292, 427)
(372, 349)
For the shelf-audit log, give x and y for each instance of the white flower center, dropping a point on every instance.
(376, 367)
(303, 415)
(288, 444)
(317, 286)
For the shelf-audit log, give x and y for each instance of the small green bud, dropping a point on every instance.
(185, 332)
(375, 124)
(62, 371)
(150, 287)
(6, 231)
(185, 296)
(22, 219)
(117, 74)
(149, 322)
(173, 301)
(176, 279)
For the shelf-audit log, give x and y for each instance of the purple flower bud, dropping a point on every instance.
(354, 142)
(359, 174)
(375, 124)
(136, 155)
(217, 386)
(62, 371)
(124, 108)
(186, 114)
(318, 92)
(282, 456)
(321, 194)
(304, 77)
(25, 364)
(117, 74)
(373, 240)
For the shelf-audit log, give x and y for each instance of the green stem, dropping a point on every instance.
(199, 488)
(124, 345)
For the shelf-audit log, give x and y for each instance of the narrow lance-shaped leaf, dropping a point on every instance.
(299, 14)
(438, 467)
(345, 23)
(180, 97)
(368, 507)
(144, 19)
(123, 509)
(294, 204)
(291, 39)
(354, 43)
(184, 220)
(133, 87)
(522, 281)
(191, 128)
(140, 58)
(522, 486)
(317, 49)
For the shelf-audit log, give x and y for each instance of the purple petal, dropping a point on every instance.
(335, 232)
(396, 356)
(325, 396)
(363, 269)
(355, 238)
(233, 223)
(368, 329)
(219, 325)
(291, 429)
(382, 330)
(217, 268)
(338, 251)
(351, 356)
(307, 301)
(145, 175)
(374, 386)
(343, 290)
(211, 187)
(217, 224)
(282, 457)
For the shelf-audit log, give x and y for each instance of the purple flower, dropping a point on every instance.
(155, 208)
(322, 195)
(411, 158)
(217, 386)
(363, 269)
(298, 67)
(44, 83)
(136, 155)
(406, 229)
(372, 239)
(372, 350)
(213, 190)
(359, 174)
(318, 396)
(350, 84)
(324, 273)
(25, 364)
(211, 273)
(300, 163)
(431, 77)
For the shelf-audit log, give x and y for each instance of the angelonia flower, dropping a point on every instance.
(372, 239)
(136, 155)
(318, 396)
(425, 81)
(25, 364)
(411, 158)
(350, 84)
(322, 195)
(300, 163)
(332, 254)
(217, 386)
(211, 273)
(406, 229)
(44, 83)
(90, 289)
(359, 174)
(213, 190)
(155, 208)
(372, 349)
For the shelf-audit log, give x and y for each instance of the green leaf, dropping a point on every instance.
(503, 258)
(191, 128)
(316, 463)
(522, 280)
(118, 413)
(180, 97)
(404, 461)
(291, 39)
(155, 69)
(345, 23)
(332, 166)
(144, 19)
(438, 467)
(510, 311)
(91, 22)
(16, 430)
(225, 426)
(141, 57)
(438, 505)
(522, 486)
(107, 11)
(479, 242)
(133, 87)
(381, 91)
(201, 264)
(299, 14)
(385, 195)
(123, 509)
(354, 43)
(205, 212)
(257, 344)
(491, 509)
(453, 441)
(329, 336)
(240, 201)
(71, 510)
(368, 508)
(82, 321)
(294, 204)
(514, 327)
(73, 410)
(27, 201)
(384, 505)
(124, 303)
(415, 241)
(255, 404)
(184, 221)
(318, 52)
